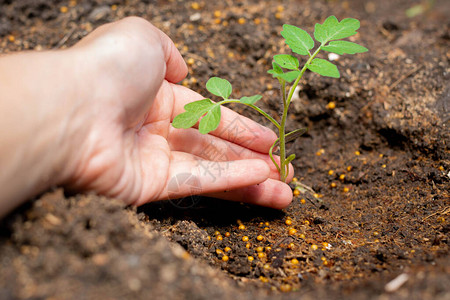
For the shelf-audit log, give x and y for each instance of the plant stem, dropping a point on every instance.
(282, 132)
(271, 155)
(286, 102)
(308, 62)
(283, 91)
(274, 122)
(283, 168)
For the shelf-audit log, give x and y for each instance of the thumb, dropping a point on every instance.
(176, 68)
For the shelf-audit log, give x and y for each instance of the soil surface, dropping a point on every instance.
(375, 224)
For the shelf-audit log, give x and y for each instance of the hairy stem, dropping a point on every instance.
(282, 143)
(308, 62)
(274, 122)
(284, 165)
(271, 155)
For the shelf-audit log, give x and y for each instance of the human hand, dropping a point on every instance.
(125, 144)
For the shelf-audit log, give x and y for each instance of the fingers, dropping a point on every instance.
(176, 67)
(142, 30)
(270, 193)
(193, 176)
(212, 148)
(233, 127)
(243, 180)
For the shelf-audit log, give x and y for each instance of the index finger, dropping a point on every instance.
(233, 127)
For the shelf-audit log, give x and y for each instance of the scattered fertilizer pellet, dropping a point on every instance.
(331, 105)
(285, 288)
(190, 61)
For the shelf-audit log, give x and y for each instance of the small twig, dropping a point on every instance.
(198, 57)
(282, 241)
(396, 283)
(280, 270)
(386, 33)
(65, 38)
(404, 77)
(305, 187)
(443, 211)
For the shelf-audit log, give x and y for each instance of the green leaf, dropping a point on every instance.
(185, 120)
(332, 29)
(286, 61)
(276, 70)
(219, 87)
(273, 73)
(210, 121)
(194, 111)
(416, 10)
(250, 100)
(297, 39)
(344, 47)
(199, 106)
(324, 67)
(289, 76)
(322, 31)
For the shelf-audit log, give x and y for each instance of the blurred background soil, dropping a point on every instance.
(376, 157)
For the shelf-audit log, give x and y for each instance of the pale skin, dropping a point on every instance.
(97, 117)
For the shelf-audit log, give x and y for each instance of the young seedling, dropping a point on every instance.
(329, 36)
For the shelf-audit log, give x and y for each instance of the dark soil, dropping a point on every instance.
(378, 164)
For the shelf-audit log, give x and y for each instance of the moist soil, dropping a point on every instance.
(372, 170)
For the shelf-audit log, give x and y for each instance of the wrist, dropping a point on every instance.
(34, 96)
